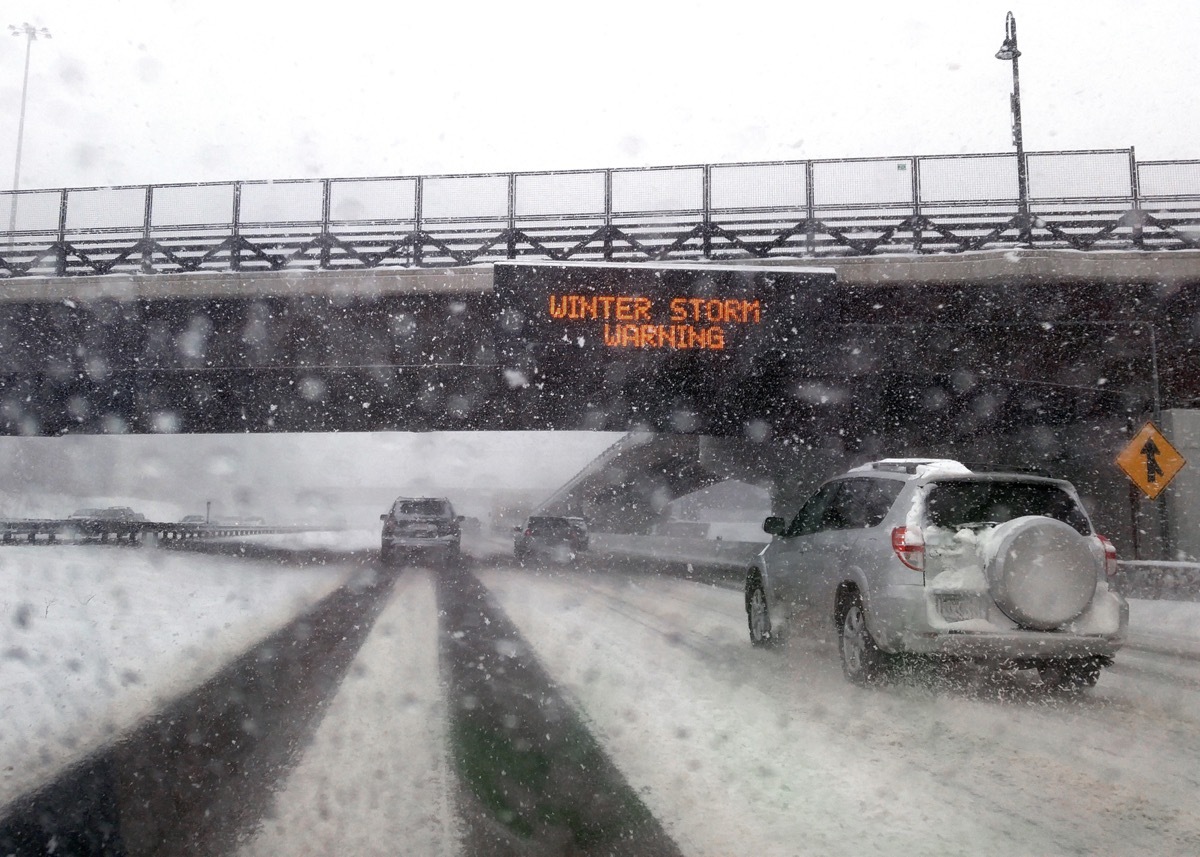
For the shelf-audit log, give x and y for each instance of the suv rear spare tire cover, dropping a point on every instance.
(1041, 571)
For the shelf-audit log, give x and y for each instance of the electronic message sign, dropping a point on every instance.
(607, 331)
(611, 310)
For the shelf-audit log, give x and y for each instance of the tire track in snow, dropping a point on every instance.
(532, 779)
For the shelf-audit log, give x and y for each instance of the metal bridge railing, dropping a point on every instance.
(1095, 199)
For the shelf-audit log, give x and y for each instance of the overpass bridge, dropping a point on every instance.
(958, 323)
(368, 304)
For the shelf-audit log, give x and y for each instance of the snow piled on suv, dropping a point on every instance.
(927, 558)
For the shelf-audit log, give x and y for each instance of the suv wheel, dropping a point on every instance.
(862, 660)
(758, 616)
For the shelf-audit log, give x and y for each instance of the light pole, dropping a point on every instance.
(1009, 52)
(31, 34)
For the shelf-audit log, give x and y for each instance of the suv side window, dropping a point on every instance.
(863, 502)
(878, 497)
(809, 519)
(845, 512)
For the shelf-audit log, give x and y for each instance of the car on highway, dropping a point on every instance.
(237, 521)
(98, 524)
(86, 515)
(553, 537)
(111, 513)
(928, 558)
(421, 526)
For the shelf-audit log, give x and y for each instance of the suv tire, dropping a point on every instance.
(758, 615)
(863, 662)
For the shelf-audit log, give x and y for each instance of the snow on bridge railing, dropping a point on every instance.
(1093, 199)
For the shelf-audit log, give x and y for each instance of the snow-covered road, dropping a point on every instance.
(738, 750)
(730, 749)
(96, 638)
(375, 779)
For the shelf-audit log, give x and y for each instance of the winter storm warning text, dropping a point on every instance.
(636, 321)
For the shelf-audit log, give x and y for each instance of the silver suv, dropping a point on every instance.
(425, 525)
(926, 557)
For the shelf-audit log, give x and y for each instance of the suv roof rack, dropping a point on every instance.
(907, 465)
(1001, 467)
(910, 465)
(894, 466)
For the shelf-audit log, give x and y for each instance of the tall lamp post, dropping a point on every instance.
(31, 34)
(1009, 52)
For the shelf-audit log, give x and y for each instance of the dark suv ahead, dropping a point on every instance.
(926, 557)
(421, 525)
(552, 537)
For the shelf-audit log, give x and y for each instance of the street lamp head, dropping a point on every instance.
(28, 31)
(1008, 51)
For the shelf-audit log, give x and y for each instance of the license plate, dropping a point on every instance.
(956, 609)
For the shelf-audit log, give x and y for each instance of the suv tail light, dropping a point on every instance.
(1110, 556)
(909, 546)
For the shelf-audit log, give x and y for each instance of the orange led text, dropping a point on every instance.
(677, 323)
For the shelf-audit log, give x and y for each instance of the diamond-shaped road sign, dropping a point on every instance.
(1150, 461)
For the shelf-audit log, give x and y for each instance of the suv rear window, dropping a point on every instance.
(419, 507)
(956, 504)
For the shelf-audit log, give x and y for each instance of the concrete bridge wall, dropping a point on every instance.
(1053, 336)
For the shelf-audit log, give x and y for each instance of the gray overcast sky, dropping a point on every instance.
(133, 92)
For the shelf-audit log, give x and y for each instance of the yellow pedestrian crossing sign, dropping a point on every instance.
(1150, 461)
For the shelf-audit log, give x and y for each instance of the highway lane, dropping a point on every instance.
(686, 740)
(736, 749)
(732, 749)
(375, 778)
(447, 738)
